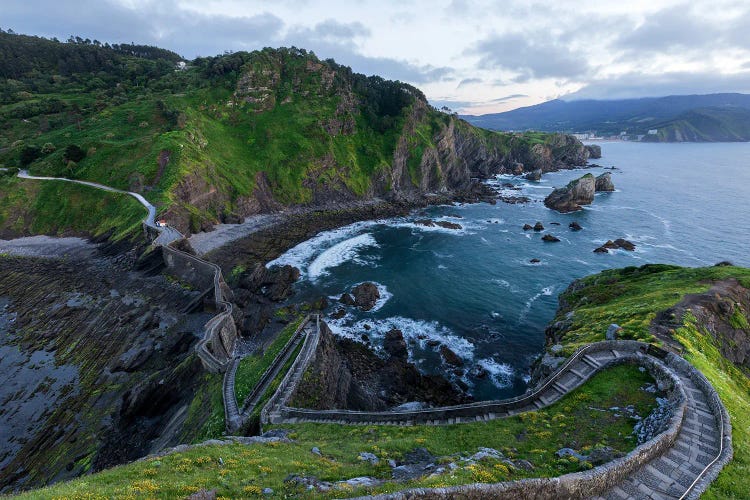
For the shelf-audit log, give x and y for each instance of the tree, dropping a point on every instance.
(29, 154)
(74, 153)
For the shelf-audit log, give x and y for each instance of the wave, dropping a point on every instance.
(415, 332)
(501, 374)
(339, 253)
(546, 291)
(301, 255)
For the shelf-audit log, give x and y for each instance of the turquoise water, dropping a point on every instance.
(475, 289)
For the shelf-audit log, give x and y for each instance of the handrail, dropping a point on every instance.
(718, 456)
(517, 401)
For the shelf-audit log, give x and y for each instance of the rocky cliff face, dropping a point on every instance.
(604, 183)
(115, 347)
(348, 375)
(316, 134)
(571, 197)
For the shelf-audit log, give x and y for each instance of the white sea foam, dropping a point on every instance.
(301, 255)
(546, 291)
(501, 374)
(412, 330)
(339, 253)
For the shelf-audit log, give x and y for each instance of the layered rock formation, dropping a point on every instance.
(604, 183)
(570, 198)
(348, 375)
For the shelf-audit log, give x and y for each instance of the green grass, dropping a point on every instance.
(62, 208)
(631, 297)
(252, 367)
(575, 421)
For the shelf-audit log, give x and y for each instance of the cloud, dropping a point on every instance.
(530, 56)
(675, 83)
(507, 98)
(672, 29)
(469, 81)
(163, 23)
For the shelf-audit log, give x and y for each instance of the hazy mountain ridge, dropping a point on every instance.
(700, 118)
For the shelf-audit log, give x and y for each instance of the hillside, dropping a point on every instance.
(222, 138)
(706, 118)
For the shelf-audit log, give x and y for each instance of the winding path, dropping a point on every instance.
(166, 234)
(677, 464)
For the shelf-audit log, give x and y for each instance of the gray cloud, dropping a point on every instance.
(161, 23)
(507, 98)
(675, 28)
(469, 81)
(676, 83)
(530, 56)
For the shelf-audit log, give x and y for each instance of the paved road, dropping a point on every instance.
(167, 234)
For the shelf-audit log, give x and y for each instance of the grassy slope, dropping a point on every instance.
(58, 208)
(631, 297)
(534, 436)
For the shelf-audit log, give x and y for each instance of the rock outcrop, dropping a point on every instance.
(535, 175)
(571, 197)
(365, 295)
(595, 151)
(604, 183)
(619, 243)
(348, 375)
(575, 226)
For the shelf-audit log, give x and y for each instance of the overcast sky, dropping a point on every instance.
(474, 56)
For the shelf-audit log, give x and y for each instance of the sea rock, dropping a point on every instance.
(425, 222)
(612, 332)
(550, 238)
(535, 175)
(625, 244)
(346, 299)
(448, 225)
(604, 183)
(595, 151)
(450, 357)
(575, 226)
(340, 313)
(527, 227)
(601, 250)
(538, 226)
(366, 295)
(535, 261)
(570, 198)
(395, 345)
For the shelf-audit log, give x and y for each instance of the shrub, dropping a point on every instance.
(48, 148)
(29, 154)
(74, 153)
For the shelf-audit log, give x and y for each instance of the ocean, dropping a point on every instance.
(475, 289)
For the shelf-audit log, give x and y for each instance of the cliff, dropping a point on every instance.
(243, 134)
(348, 375)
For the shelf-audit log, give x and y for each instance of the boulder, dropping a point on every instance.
(595, 151)
(570, 198)
(575, 226)
(535, 175)
(346, 299)
(612, 332)
(395, 345)
(625, 244)
(448, 225)
(527, 227)
(550, 238)
(450, 357)
(366, 295)
(604, 183)
(538, 226)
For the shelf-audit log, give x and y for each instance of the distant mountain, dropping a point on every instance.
(700, 118)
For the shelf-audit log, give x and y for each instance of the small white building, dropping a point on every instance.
(653, 131)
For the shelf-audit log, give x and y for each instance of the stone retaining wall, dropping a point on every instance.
(216, 348)
(277, 410)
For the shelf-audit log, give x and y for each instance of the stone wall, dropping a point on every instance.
(216, 348)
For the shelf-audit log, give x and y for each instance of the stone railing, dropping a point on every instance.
(216, 348)
(277, 411)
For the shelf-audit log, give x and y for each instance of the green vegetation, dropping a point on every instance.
(205, 141)
(252, 367)
(631, 297)
(576, 421)
(62, 208)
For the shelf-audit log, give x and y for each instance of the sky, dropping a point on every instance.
(473, 56)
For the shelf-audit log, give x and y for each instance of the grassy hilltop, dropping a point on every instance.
(220, 138)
